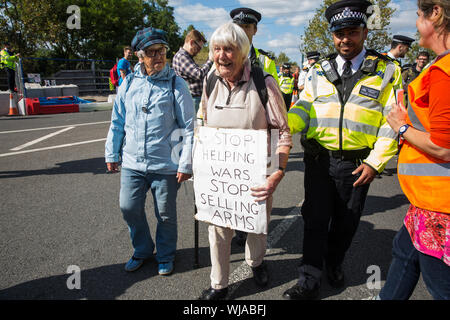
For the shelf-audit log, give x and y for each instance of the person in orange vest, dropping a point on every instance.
(422, 246)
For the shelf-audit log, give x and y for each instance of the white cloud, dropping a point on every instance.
(198, 13)
(403, 21)
(287, 40)
(289, 12)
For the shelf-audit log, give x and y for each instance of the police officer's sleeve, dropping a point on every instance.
(386, 145)
(270, 67)
(299, 113)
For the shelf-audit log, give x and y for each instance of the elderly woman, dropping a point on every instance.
(423, 243)
(241, 108)
(152, 106)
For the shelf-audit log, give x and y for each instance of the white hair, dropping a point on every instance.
(230, 34)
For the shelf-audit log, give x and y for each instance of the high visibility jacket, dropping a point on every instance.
(359, 123)
(267, 64)
(286, 84)
(8, 60)
(424, 180)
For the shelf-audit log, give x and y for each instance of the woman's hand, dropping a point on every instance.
(264, 192)
(112, 167)
(397, 117)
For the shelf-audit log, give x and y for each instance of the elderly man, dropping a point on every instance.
(342, 113)
(152, 106)
(241, 108)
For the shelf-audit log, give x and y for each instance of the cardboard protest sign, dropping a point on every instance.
(226, 164)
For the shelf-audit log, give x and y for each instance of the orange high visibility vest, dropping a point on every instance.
(425, 180)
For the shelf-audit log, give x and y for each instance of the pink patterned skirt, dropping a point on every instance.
(430, 232)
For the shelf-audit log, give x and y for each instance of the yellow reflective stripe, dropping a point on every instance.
(387, 132)
(365, 102)
(304, 104)
(296, 123)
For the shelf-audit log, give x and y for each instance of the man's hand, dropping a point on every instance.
(264, 192)
(182, 177)
(112, 167)
(367, 175)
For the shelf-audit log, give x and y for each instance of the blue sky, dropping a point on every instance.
(283, 21)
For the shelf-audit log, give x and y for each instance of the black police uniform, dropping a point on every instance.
(327, 175)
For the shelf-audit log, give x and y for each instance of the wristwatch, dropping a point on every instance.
(403, 129)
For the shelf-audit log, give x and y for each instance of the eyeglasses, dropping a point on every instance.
(152, 53)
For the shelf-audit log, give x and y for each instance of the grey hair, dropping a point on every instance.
(230, 34)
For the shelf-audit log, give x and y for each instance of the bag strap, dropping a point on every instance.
(258, 76)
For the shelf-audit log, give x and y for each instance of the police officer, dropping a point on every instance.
(341, 111)
(399, 47)
(248, 20)
(8, 62)
(311, 57)
(286, 83)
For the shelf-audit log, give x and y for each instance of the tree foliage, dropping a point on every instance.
(317, 35)
(39, 27)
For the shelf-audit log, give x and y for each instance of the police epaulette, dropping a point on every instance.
(265, 53)
(331, 56)
(377, 54)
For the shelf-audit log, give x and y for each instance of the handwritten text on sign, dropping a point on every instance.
(226, 164)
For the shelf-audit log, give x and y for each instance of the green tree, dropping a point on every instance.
(40, 26)
(317, 35)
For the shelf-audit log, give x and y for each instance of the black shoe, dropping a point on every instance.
(298, 292)
(335, 276)
(260, 275)
(214, 294)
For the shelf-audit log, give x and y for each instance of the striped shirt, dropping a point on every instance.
(185, 67)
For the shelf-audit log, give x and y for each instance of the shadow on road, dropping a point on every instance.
(94, 166)
(102, 283)
(376, 204)
(370, 247)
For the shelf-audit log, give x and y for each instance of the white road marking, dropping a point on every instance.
(57, 127)
(244, 271)
(41, 139)
(50, 148)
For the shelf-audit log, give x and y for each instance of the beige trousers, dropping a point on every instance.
(220, 250)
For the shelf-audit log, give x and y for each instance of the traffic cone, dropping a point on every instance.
(13, 111)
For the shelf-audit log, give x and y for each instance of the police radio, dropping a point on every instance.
(330, 73)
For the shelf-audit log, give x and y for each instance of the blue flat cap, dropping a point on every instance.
(148, 36)
(347, 13)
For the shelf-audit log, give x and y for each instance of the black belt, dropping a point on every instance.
(348, 154)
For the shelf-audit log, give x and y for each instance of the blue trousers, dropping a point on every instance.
(134, 186)
(406, 266)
